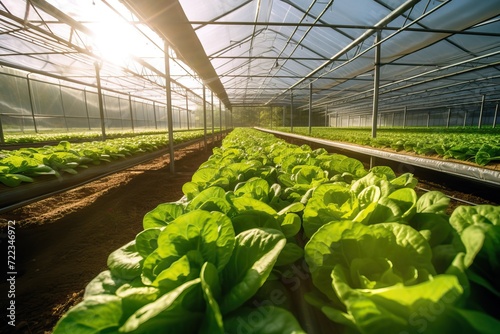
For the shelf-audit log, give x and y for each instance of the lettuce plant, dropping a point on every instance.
(381, 278)
(377, 257)
(479, 231)
(185, 277)
(26, 164)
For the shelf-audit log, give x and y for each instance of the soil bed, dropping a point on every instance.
(63, 241)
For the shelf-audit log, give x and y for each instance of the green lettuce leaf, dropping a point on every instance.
(175, 312)
(213, 323)
(251, 262)
(126, 262)
(96, 314)
(262, 320)
(329, 202)
(162, 215)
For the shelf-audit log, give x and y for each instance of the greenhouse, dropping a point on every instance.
(250, 166)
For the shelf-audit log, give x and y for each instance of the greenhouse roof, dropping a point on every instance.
(318, 53)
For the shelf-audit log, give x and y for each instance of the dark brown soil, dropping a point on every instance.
(63, 242)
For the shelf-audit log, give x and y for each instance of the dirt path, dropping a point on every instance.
(64, 241)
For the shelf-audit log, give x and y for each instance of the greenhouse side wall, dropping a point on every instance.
(459, 116)
(31, 104)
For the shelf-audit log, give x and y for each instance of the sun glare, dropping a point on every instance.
(114, 39)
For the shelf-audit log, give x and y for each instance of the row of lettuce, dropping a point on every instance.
(269, 233)
(480, 146)
(56, 136)
(24, 165)
(72, 136)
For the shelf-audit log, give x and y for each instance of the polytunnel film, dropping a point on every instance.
(354, 188)
(417, 63)
(63, 68)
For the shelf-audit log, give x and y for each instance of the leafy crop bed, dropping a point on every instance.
(17, 138)
(265, 226)
(480, 146)
(26, 164)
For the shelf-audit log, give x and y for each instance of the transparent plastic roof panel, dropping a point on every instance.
(433, 53)
(71, 40)
(265, 50)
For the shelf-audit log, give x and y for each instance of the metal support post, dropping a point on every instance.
(168, 91)
(376, 84)
(131, 112)
(326, 117)
(204, 117)
(86, 107)
(32, 105)
(310, 106)
(495, 116)
(220, 115)
(291, 112)
(101, 102)
(212, 108)
(154, 114)
(404, 116)
(481, 112)
(271, 113)
(187, 110)
(62, 107)
(2, 139)
(448, 118)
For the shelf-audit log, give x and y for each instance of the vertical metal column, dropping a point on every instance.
(62, 106)
(376, 84)
(291, 111)
(404, 116)
(120, 110)
(220, 115)
(448, 118)
(283, 116)
(310, 105)
(180, 119)
(187, 110)
(204, 117)
(465, 118)
(271, 112)
(168, 90)
(428, 118)
(481, 112)
(32, 104)
(86, 106)
(326, 117)
(213, 121)
(154, 114)
(2, 139)
(101, 103)
(495, 116)
(131, 112)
